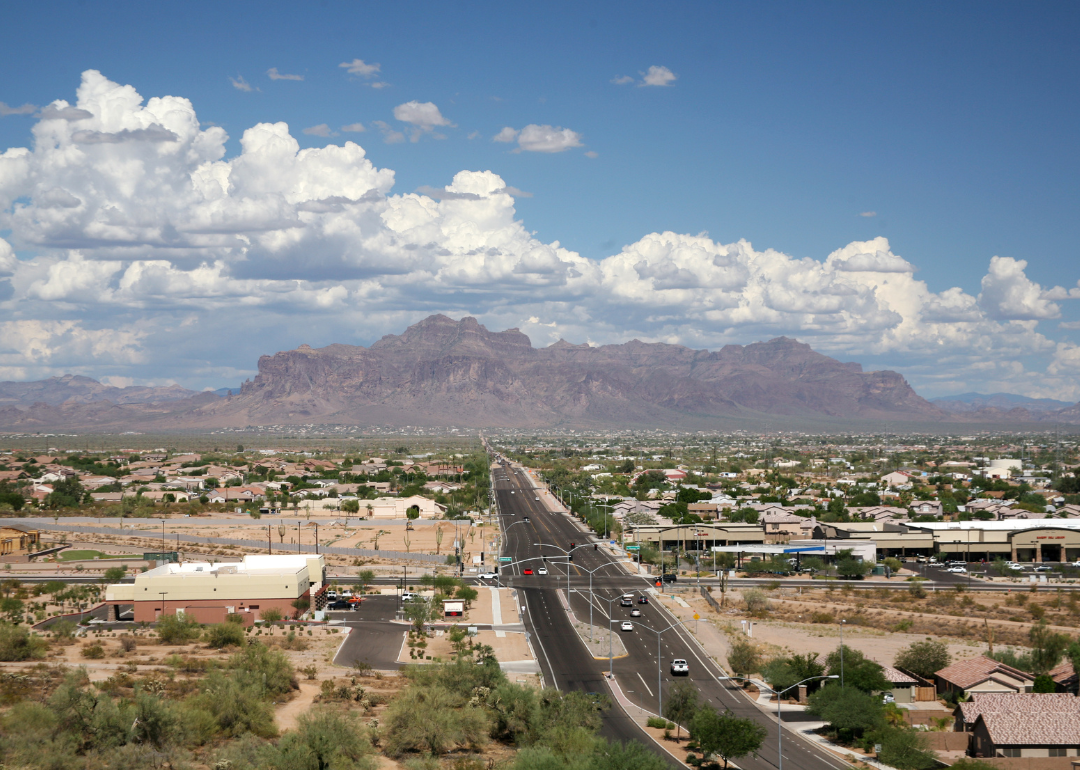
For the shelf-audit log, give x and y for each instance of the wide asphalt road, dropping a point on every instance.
(568, 663)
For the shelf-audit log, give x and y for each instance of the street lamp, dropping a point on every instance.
(502, 536)
(779, 720)
(842, 622)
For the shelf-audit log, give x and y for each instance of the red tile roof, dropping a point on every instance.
(1033, 729)
(970, 672)
(1033, 703)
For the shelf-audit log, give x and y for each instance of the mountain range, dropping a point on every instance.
(442, 372)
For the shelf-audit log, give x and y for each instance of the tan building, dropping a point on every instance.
(210, 591)
(695, 537)
(398, 507)
(17, 540)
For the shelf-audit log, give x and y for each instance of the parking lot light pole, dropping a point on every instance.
(779, 722)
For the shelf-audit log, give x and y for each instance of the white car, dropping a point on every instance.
(409, 596)
(488, 576)
(542, 571)
(1075, 563)
(346, 594)
(331, 595)
(627, 626)
(679, 667)
(635, 613)
(957, 569)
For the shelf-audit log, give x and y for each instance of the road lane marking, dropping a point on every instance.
(639, 676)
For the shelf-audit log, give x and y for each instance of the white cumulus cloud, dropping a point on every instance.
(658, 76)
(273, 74)
(180, 261)
(424, 116)
(320, 130)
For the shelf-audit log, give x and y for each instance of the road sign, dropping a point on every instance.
(633, 547)
(696, 616)
(506, 558)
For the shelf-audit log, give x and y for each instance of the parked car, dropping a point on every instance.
(627, 626)
(339, 604)
(679, 668)
(331, 595)
(1075, 563)
(346, 594)
(409, 596)
(887, 697)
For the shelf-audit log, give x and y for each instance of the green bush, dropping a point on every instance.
(17, 644)
(225, 635)
(657, 723)
(178, 629)
(271, 615)
(94, 651)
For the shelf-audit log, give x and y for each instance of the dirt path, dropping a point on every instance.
(287, 713)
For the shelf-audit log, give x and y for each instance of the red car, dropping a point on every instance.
(355, 600)
(527, 571)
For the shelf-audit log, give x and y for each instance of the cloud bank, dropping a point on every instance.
(145, 252)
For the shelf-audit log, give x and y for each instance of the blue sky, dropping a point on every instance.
(949, 130)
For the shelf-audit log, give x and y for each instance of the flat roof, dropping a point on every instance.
(772, 549)
(1008, 524)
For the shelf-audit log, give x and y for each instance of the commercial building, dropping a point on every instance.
(210, 591)
(16, 540)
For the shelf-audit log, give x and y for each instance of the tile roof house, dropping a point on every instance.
(1065, 677)
(903, 685)
(982, 674)
(1035, 703)
(1026, 735)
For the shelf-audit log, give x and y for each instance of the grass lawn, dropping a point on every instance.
(73, 555)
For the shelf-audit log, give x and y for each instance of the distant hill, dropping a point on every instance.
(441, 372)
(973, 402)
(75, 389)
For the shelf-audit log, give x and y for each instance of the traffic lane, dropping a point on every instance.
(568, 666)
(376, 643)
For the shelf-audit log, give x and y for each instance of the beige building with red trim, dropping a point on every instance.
(210, 591)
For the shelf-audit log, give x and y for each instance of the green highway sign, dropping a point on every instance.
(633, 547)
(506, 558)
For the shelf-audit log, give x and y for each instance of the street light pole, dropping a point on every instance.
(779, 719)
(842, 622)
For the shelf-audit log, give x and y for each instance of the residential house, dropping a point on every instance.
(982, 674)
(896, 479)
(926, 508)
(967, 714)
(780, 525)
(1065, 678)
(398, 507)
(1026, 735)
(903, 685)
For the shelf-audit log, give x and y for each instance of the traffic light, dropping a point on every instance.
(544, 558)
(595, 547)
(570, 557)
(572, 546)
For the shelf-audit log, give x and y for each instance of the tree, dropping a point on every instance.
(467, 594)
(681, 705)
(783, 673)
(417, 612)
(757, 601)
(225, 635)
(364, 578)
(923, 658)
(744, 658)
(271, 615)
(848, 710)
(858, 671)
(1047, 647)
(350, 506)
(725, 735)
(906, 750)
(115, 574)
(850, 567)
(1044, 683)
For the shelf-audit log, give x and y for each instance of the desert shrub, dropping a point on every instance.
(822, 617)
(432, 720)
(267, 668)
(17, 644)
(326, 738)
(657, 723)
(229, 705)
(94, 651)
(757, 601)
(271, 615)
(225, 635)
(128, 643)
(178, 629)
